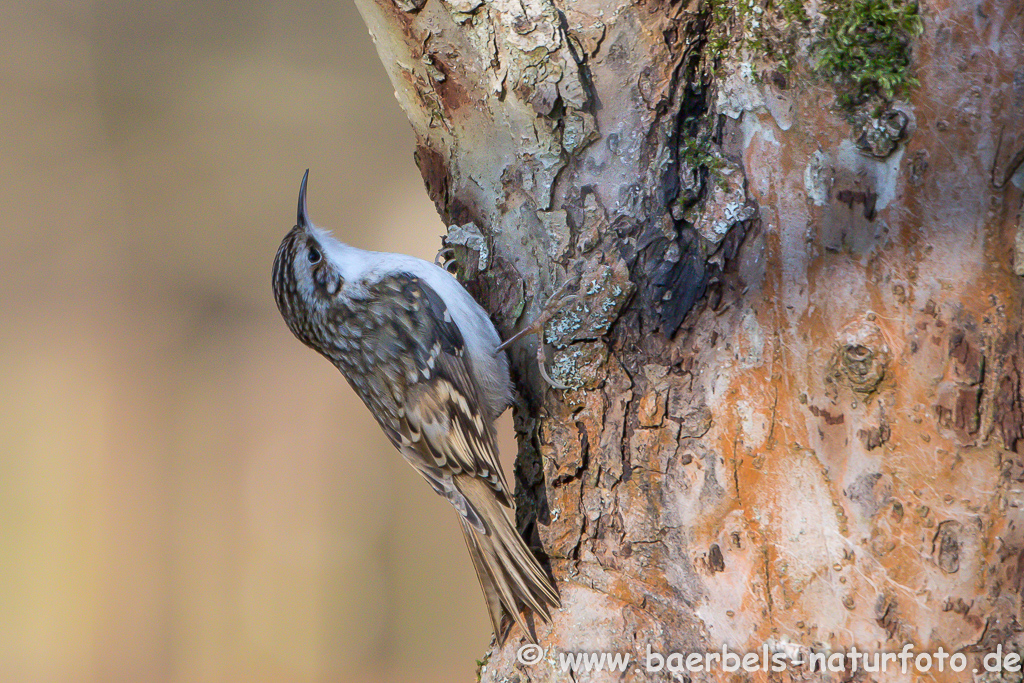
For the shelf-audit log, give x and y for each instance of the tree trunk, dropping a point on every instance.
(796, 420)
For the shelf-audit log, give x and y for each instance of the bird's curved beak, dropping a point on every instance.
(302, 217)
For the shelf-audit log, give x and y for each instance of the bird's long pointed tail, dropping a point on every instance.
(510, 576)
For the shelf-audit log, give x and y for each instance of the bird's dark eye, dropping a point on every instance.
(314, 255)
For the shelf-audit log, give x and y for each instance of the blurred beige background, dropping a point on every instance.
(187, 493)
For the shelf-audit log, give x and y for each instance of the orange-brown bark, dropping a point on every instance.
(796, 413)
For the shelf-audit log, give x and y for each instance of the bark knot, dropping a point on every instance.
(861, 357)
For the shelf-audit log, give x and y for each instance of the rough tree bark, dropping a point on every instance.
(796, 417)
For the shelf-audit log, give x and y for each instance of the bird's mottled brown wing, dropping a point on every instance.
(414, 339)
(438, 428)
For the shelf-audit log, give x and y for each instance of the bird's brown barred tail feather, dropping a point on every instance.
(510, 576)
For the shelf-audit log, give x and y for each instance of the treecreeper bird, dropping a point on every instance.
(424, 357)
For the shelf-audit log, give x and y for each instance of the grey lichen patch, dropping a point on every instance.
(469, 236)
(563, 328)
(603, 291)
(580, 366)
(726, 204)
(861, 357)
(879, 136)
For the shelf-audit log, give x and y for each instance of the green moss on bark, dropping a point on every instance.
(866, 48)
(767, 28)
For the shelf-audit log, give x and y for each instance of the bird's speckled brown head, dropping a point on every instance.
(305, 281)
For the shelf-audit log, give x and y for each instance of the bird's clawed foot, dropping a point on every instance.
(556, 302)
(446, 259)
